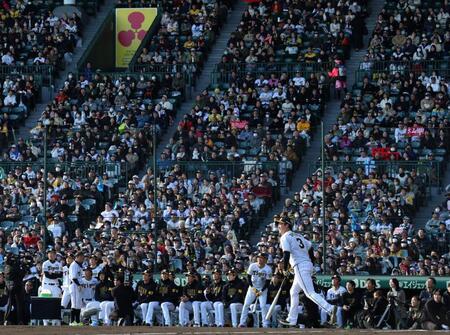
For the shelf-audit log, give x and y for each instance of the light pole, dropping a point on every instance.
(324, 240)
(155, 190)
(45, 188)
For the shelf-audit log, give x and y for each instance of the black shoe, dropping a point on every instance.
(285, 323)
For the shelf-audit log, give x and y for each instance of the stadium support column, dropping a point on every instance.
(45, 187)
(324, 240)
(155, 191)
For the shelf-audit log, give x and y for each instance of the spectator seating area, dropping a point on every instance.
(389, 144)
(35, 45)
(285, 32)
(225, 125)
(33, 35)
(186, 33)
(396, 37)
(18, 98)
(98, 134)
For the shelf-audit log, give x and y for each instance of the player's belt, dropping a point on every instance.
(53, 284)
(87, 299)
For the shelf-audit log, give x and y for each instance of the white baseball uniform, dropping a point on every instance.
(333, 294)
(88, 296)
(65, 287)
(96, 270)
(88, 290)
(54, 269)
(51, 272)
(259, 278)
(75, 274)
(299, 260)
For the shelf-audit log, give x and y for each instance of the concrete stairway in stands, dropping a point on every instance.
(233, 19)
(329, 118)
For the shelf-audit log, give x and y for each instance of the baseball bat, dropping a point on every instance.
(274, 302)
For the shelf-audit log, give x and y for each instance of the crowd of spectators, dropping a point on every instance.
(18, 98)
(437, 228)
(390, 141)
(33, 35)
(186, 33)
(265, 118)
(414, 31)
(104, 119)
(304, 31)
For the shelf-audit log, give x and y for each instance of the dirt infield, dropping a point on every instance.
(18, 330)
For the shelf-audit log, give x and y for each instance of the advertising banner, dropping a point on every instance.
(132, 24)
(406, 282)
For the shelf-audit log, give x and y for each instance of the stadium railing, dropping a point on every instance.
(229, 168)
(118, 172)
(429, 170)
(441, 67)
(222, 73)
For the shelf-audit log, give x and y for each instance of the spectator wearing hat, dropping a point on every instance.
(335, 297)
(233, 295)
(213, 294)
(191, 300)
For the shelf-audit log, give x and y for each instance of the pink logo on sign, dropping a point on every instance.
(126, 37)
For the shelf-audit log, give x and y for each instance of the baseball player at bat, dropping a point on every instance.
(297, 252)
(259, 274)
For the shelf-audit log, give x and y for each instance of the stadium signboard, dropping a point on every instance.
(406, 282)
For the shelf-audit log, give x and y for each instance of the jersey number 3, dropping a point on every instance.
(300, 242)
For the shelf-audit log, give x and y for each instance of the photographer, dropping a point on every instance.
(397, 299)
(14, 273)
(368, 300)
(376, 311)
